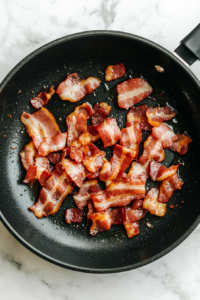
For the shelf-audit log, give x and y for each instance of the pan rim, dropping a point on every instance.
(6, 80)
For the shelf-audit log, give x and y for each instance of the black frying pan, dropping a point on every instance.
(88, 54)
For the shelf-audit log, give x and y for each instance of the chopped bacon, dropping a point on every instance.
(119, 194)
(181, 145)
(109, 132)
(76, 124)
(137, 171)
(94, 135)
(131, 137)
(75, 171)
(132, 91)
(168, 186)
(92, 150)
(152, 205)
(73, 215)
(113, 72)
(40, 125)
(27, 155)
(157, 115)
(100, 222)
(85, 108)
(136, 204)
(159, 172)
(101, 112)
(138, 115)
(30, 175)
(34, 173)
(132, 229)
(55, 143)
(74, 89)
(95, 162)
(164, 134)
(43, 162)
(76, 154)
(54, 157)
(91, 209)
(91, 175)
(88, 188)
(42, 98)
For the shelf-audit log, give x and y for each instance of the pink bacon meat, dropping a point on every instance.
(73, 88)
(156, 115)
(113, 72)
(131, 137)
(75, 171)
(138, 115)
(34, 173)
(152, 204)
(181, 144)
(168, 186)
(76, 124)
(27, 155)
(42, 98)
(132, 91)
(159, 172)
(74, 215)
(165, 135)
(109, 132)
(53, 144)
(54, 157)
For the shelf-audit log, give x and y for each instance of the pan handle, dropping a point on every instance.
(189, 49)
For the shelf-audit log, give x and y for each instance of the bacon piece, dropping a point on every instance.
(52, 194)
(74, 89)
(40, 125)
(132, 91)
(156, 115)
(119, 194)
(109, 132)
(159, 172)
(168, 186)
(101, 112)
(55, 143)
(137, 171)
(85, 108)
(152, 205)
(94, 135)
(136, 204)
(132, 229)
(75, 171)
(164, 134)
(91, 175)
(88, 188)
(91, 209)
(131, 137)
(42, 98)
(113, 72)
(100, 222)
(181, 145)
(76, 124)
(30, 175)
(27, 155)
(54, 157)
(73, 215)
(95, 162)
(76, 154)
(138, 115)
(43, 162)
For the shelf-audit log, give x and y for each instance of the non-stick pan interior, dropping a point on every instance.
(88, 55)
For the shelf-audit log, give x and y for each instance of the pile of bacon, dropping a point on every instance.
(78, 162)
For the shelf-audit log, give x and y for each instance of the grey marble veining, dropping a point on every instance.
(27, 25)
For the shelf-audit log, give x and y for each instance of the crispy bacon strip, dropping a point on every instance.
(88, 188)
(40, 125)
(94, 135)
(53, 144)
(132, 91)
(85, 108)
(42, 98)
(109, 132)
(95, 162)
(52, 194)
(152, 205)
(131, 137)
(74, 170)
(27, 155)
(34, 173)
(113, 72)
(76, 124)
(138, 115)
(164, 134)
(168, 186)
(73, 215)
(54, 157)
(101, 112)
(119, 194)
(159, 172)
(156, 115)
(181, 145)
(74, 89)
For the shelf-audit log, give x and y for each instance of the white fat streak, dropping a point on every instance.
(145, 88)
(70, 92)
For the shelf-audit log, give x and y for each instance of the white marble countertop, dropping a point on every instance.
(27, 25)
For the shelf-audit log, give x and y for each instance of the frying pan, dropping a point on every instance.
(88, 54)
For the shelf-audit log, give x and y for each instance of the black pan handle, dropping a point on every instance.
(189, 48)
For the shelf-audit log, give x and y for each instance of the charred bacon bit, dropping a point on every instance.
(53, 144)
(76, 154)
(101, 112)
(152, 205)
(132, 91)
(156, 115)
(168, 186)
(27, 155)
(132, 229)
(113, 72)
(74, 89)
(109, 132)
(42, 98)
(181, 145)
(100, 222)
(88, 188)
(54, 157)
(95, 162)
(76, 124)
(131, 137)
(40, 125)
(54, 191)
(138, 115)
(75, 171)
(164, 134)
(73, 215)
(86, 109)
(94, 135)
(159, 172)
